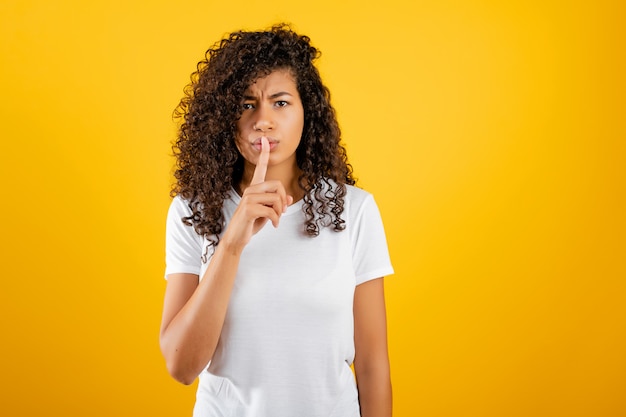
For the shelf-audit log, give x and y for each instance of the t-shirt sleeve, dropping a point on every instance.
(183, 246)
(370, 254)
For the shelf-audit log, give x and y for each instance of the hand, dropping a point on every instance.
(260, 202)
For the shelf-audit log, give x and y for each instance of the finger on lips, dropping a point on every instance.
(258, 177)
(261, 167)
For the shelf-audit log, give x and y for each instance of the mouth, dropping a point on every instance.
(257, 143)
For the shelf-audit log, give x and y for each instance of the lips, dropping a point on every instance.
(257, 143)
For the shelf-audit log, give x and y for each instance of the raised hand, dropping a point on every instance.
(261, 201)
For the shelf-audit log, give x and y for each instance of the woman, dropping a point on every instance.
(274, 259)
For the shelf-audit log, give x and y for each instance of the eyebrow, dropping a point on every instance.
(273, 96)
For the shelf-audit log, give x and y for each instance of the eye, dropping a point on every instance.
(247, 106)
(281, 103)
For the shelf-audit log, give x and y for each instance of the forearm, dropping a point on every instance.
(374, 384)
(189, 340)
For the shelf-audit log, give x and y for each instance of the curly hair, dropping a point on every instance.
(208, 164)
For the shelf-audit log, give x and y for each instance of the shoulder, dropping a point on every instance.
(180, 206)
(357, 195)
(179, 210)
(353, 198)
(357, 200)
(352, 192)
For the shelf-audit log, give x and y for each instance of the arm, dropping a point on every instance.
(194, 310)
(371, 362)
(193, 315)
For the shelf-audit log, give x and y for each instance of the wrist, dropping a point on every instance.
(230, 247)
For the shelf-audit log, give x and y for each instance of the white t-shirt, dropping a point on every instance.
(288, 338)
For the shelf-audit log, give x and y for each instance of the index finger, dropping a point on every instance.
(261, 166)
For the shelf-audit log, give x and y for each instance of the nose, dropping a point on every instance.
(263, 120)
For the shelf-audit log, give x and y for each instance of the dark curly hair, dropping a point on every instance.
(208, 163)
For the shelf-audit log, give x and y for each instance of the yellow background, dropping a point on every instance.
(491, 133)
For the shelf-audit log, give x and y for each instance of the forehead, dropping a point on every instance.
(277, 79)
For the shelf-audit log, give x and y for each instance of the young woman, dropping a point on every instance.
(274, 258)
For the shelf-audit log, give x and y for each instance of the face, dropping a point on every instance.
(271, 108)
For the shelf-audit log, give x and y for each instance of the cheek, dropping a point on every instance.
(240, 127)
(298, 122)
